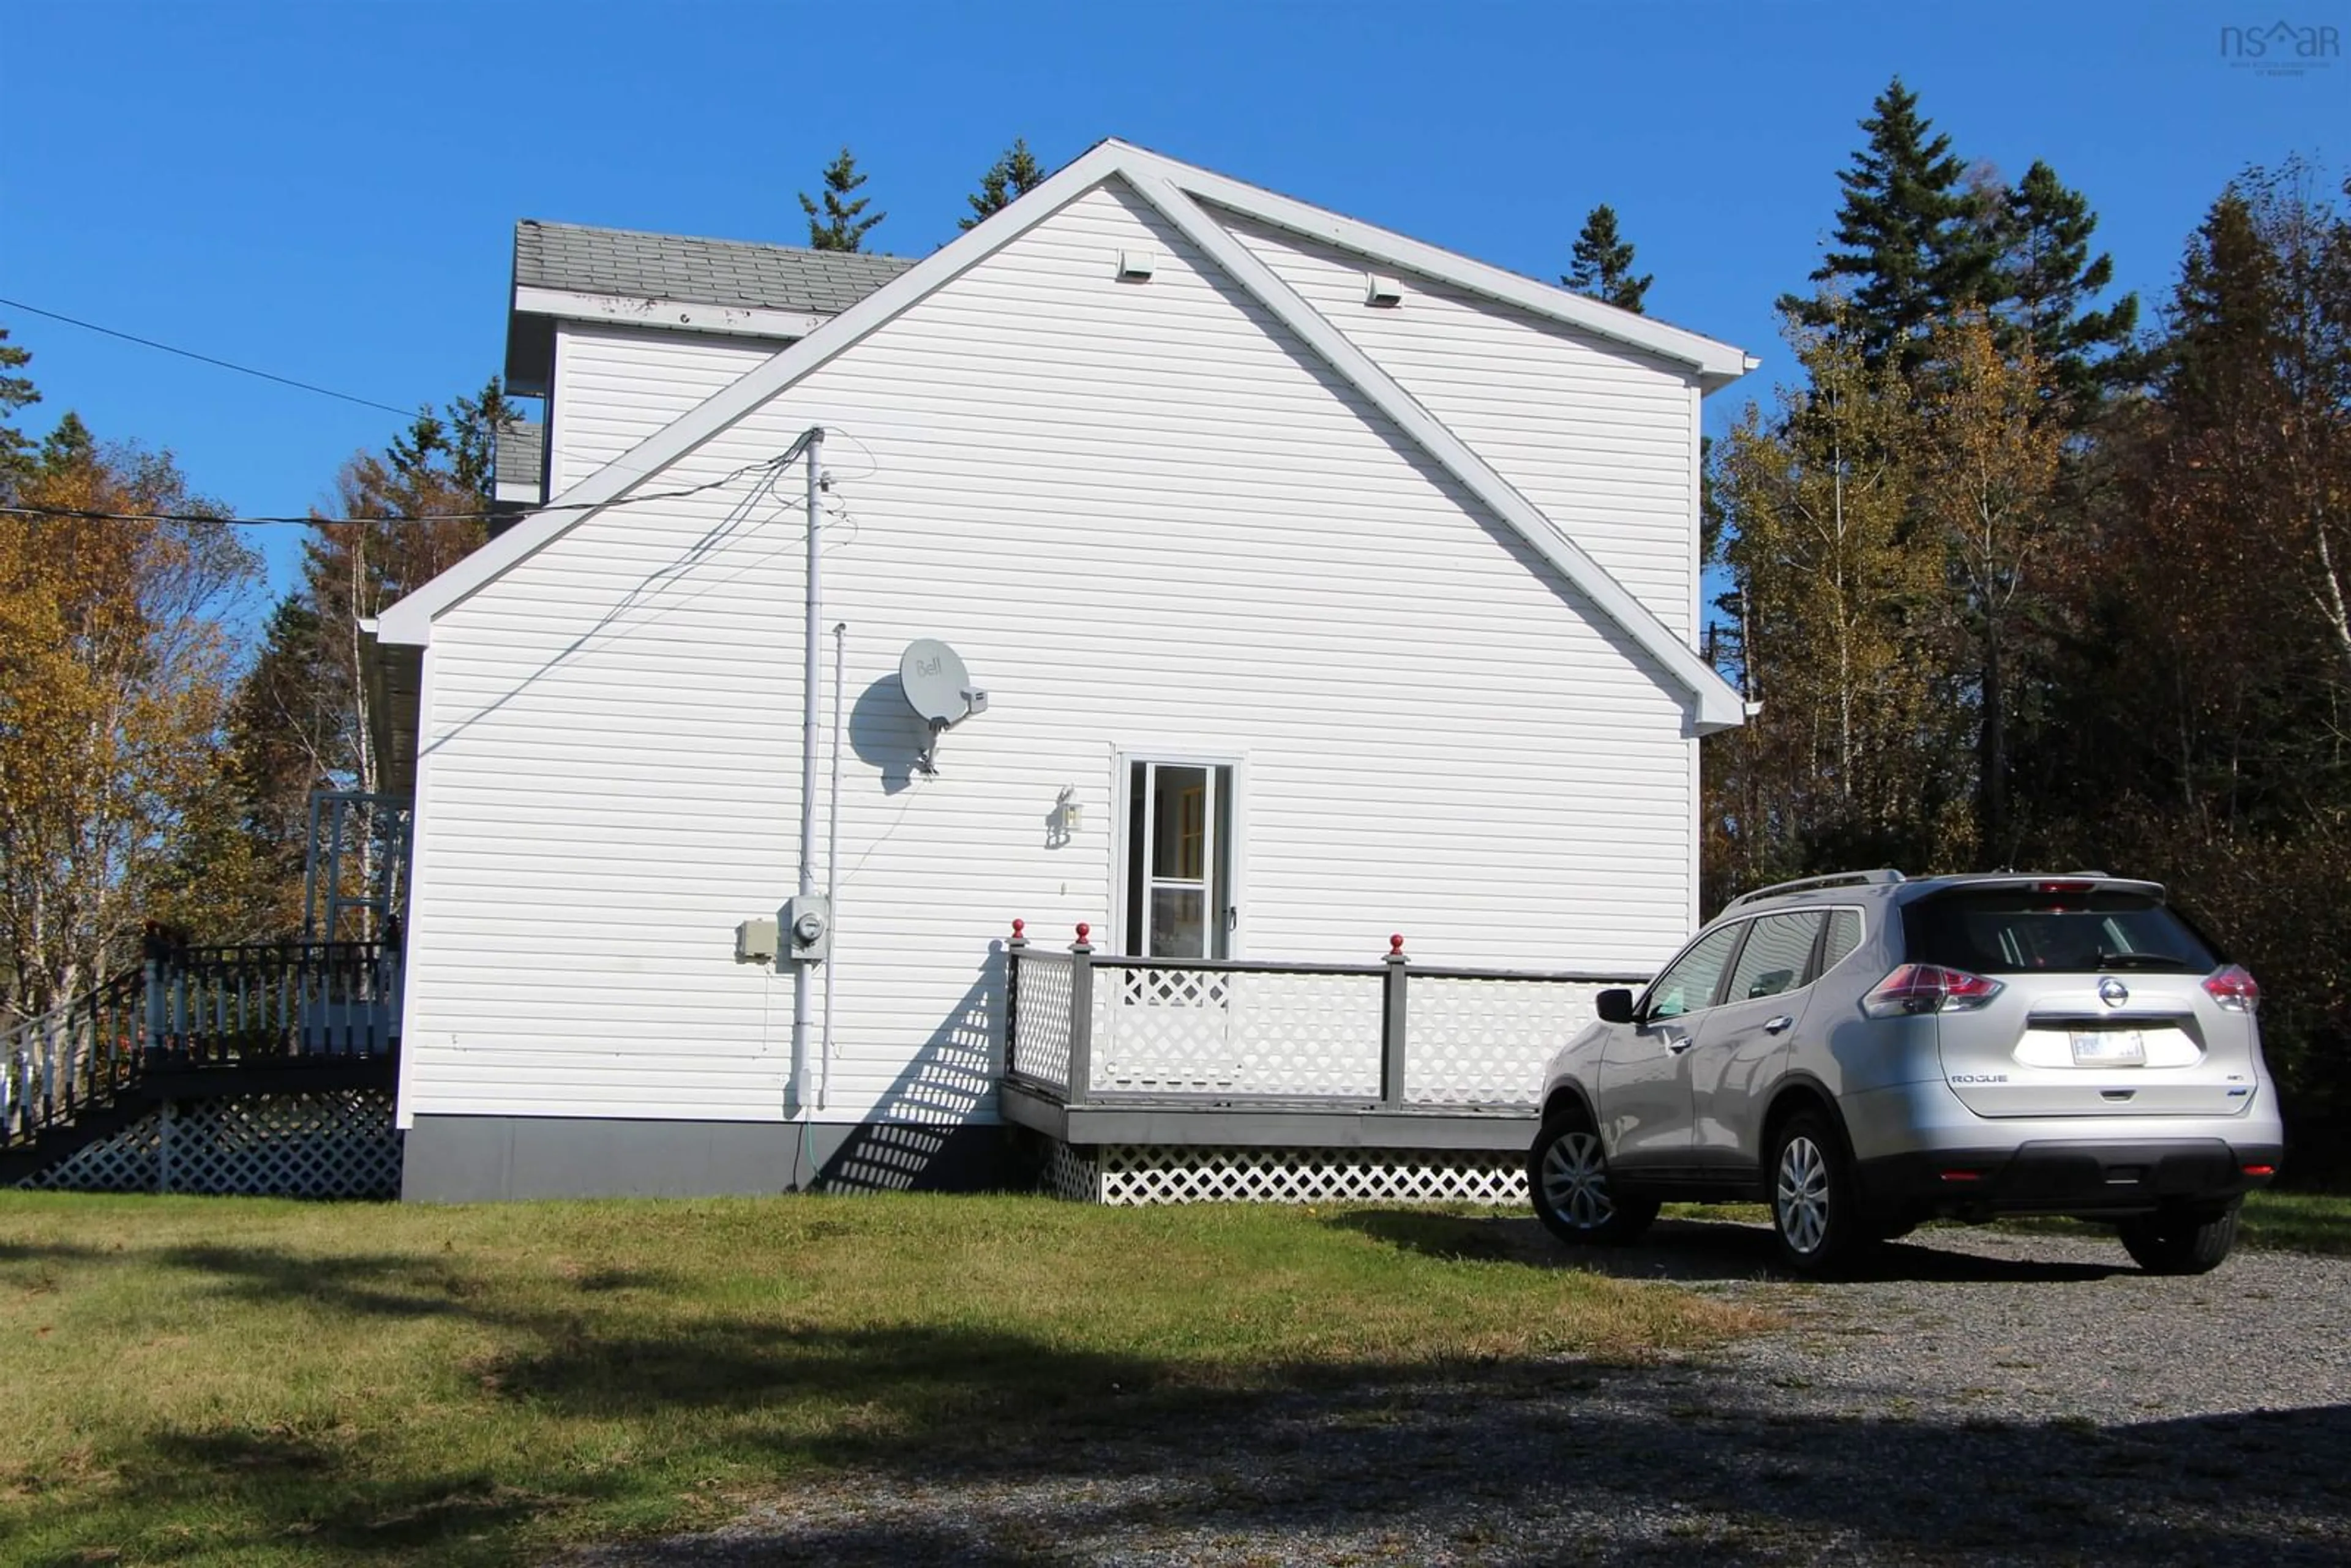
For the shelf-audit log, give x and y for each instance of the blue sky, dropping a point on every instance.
(328, 190)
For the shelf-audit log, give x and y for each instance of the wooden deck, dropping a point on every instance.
(1388, 1057)
(198, 1024)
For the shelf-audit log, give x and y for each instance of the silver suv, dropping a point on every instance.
(1863, 1052)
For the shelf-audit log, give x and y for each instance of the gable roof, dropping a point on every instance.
(1184, 194)
(635, 265)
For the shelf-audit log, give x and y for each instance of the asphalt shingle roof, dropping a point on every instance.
(522, 447)
(693, 271)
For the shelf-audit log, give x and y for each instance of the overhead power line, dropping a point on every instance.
(207, 358)
(85, 513)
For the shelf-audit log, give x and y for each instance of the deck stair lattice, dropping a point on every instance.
(258, 1068)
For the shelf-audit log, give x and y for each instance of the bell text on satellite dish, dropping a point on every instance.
(937, 686)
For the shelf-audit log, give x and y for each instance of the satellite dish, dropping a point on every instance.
(937, 686)
(939, 689)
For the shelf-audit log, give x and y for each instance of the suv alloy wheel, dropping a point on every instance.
(1816, 1211)
(1567, 1172)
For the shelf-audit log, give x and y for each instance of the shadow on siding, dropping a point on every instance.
(921, 1137)
(886, 733)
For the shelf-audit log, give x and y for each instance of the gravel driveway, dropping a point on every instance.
(1982, 1397)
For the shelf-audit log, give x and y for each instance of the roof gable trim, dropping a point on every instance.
(409, 621)
(1713, 364)
(1718, 705)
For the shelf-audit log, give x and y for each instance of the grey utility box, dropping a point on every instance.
(755, 942)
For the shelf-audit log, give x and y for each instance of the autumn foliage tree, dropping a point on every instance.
(1829, 615)
(1986, 460)
(116, 669)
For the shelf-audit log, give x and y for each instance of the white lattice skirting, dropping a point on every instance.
(1134, 1173)
(336, 1143)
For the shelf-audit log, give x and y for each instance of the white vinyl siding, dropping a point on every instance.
(1153, 526)
(616, 385)
(1600, 437)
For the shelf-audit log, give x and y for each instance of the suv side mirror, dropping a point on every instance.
(1615, 1005)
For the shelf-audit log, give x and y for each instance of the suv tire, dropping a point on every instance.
(1817, 1214)
(1567, 1175)
(2175, 1241)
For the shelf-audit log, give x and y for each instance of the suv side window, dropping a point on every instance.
(1778, 956)
(1690, 986)
(1844, 935)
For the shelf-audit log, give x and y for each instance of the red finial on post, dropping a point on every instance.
(1019, 927)
(1084, 931)
(1396, 945)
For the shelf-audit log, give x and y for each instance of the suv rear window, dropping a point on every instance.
(2020, 930)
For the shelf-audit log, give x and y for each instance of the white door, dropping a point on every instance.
(1179, 860)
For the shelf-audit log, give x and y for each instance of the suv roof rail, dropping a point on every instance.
(1884, 876)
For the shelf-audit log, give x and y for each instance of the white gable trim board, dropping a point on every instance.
(1185, 520)
(1719, 706)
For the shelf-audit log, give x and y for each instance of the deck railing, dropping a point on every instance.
(1090, 1028)
(198, 1007)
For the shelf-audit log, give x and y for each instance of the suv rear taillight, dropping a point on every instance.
(2234, 989)
(1929, 988)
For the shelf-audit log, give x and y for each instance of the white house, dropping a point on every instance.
(1322, 584)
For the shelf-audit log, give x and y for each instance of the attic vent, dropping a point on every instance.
(1382, 291)
(1136, 265)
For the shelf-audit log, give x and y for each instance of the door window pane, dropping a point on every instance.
(1178, 926)
(1689, 984)
(1779, 950)
(1179, 839)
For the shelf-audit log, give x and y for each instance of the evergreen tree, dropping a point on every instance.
(16, 393)
(301, 719)
(1913, 249)
(2205, 688)
(1007, 180)
(838, 225)
(2223, 311)
(1603, 268)
(2046, 281)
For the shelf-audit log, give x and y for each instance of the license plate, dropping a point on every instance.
(2109, 1048)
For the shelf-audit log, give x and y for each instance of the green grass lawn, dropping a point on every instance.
(2283, 1221)
(256, 1382)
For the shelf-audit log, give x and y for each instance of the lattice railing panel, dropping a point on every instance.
(325, 1143)
(1152, 1174)
(1070, 1175)
(1253, 1032)
(1040, 1032)
(1486, 1042)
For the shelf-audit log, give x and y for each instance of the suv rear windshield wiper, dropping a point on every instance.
(2140, 961)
